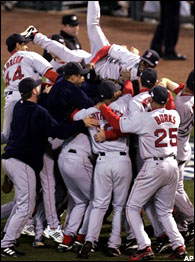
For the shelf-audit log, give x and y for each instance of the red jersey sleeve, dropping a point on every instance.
(128, 88)
(170, 102)
(178, 89)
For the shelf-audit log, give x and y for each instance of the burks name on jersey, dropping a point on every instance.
(162, 118)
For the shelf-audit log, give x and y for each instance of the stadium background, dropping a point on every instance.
(124, 31)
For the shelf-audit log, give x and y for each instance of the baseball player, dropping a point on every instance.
(109, 60)
(184, 102)
(21, 64)
(112, 174)
(159, 175)
(78, 180)
(24, 154)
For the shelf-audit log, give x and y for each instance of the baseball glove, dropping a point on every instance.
(7, 185)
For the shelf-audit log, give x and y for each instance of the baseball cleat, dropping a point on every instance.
(85, 250)
(64, 248)
(77, 246)
(190, 233)
(55, 234)
(29, 32)
(144, 254)
(113, 252)
(179, 252)
(131, 245)
(163, 244)
(28, 230)
(11, 252)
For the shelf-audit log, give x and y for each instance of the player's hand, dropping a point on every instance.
(125, 75)
(47, 88)
(99, 104)
(134, 50)
(100, 136)
(91, 122)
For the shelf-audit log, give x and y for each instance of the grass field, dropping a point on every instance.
(50, 253)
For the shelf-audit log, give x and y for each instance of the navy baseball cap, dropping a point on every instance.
(190, 81)
(58, 38)
(13, 39)
(73, 68)
(151, 57)
(107, 88)
(71, 20)
(148, 77)
(28, 84)
(159, 94)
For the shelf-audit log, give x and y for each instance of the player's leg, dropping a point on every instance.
(182, 201)
(102, 196)
(78, 183)
(96, 36)
(164, 203)
(6, 209)
(10, 101)
(48, 186)
(122, 174)
(145, 185)
(25, 192)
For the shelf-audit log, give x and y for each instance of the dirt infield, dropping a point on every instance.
(117, 30)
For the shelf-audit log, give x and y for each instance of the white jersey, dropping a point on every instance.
(23, 64)
(140, 103)
(119, 145)
(61, 51)
(56, 64)
(185, 107)
(157, 131)
(118, 58)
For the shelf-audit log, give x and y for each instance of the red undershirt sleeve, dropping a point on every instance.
(111, 117)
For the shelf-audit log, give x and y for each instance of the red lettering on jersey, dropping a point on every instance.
(166, 118)
(20, 59)
(118, 113)
(18, 74)
(157, 120)
(97, 115)
(7, 79)
(174, 120)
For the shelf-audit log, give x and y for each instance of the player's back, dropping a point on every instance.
(118, 145)
(140, 103)
(185, 107)
(23, 64)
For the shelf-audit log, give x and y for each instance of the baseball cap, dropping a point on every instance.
(159, 94)
(148, 77)
(71, 20)
(73, 68)
(190, 81)
(58, 38)
(107, 88)
(151, 57)
(28, 84)
(13, 39)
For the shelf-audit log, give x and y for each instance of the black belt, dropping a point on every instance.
(72, 151)
(9, 93)
(162, 158)
(121, 153)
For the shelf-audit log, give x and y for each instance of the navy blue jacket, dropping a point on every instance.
(30, 128)
(63, 98)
